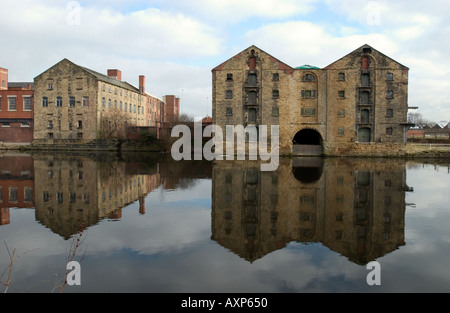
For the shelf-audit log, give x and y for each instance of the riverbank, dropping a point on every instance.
(413, 150)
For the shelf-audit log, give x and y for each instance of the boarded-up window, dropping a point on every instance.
(252, 115)
(252, 98)
(364, 135)
(252, 81)
(365, 80)
(308, 112)
(307, 94)
(365, 116)
(365, 97)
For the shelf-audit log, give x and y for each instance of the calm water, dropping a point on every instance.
(149, 224)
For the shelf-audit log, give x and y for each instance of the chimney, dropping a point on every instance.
(117, 74)
(142, 84)
(3, 79)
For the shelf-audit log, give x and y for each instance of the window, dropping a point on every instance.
(275, 94)
(27, 103)
(12, 194)
(341, 94)
(72, 102)
(3, 84)
(308, 78)
(80, 124)
(50, 86)
(275, 112)
(229, 77)
(50, 135)
(109, 103)
(59, 102)
(308, 94)
(389, 76)
(25, 124)
(50, 124)
(276, 77)
(252, 98)
(45, 196)
(252, 116)
(28, 194)
(365, 97)
(308, 112)
(6, 124)
(390, 94)
(341, 131)
(121, 105)
(126, 107)
(12, 104)
(229, 94)
(85, 101)
(341, 113)
(115, 104)
(103, 102)
(365, 80)
(59, 197)
(389, 113)
(229, 112)
(389, 131)
(252, 80)
(365, 116)
(341, 77)
(79, 135)
(364, 135)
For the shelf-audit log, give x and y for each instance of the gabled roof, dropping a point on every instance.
(100, 77)
(283, 66)
(366, 46)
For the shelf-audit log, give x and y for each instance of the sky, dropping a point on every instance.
(176, 43)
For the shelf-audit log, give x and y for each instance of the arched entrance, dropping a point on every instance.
(307, 142)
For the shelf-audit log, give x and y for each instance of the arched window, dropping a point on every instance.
(308, 78)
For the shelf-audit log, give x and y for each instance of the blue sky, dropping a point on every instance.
(176, 43)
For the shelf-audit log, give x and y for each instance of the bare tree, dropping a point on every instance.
(114, 125)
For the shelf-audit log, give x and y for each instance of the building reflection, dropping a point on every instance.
(355, 207)
(72, 191)
(16, 184)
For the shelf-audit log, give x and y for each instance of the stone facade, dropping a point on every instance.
(76, 104)
(356, 105)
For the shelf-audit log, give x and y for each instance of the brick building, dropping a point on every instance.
(16, 111)
(354, 106)
(76, 104)
(172, 110)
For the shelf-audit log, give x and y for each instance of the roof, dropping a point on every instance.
(21, 85)
(366, 46)
(283, 66)
(101, 77)
(110, 80)
(306, 66)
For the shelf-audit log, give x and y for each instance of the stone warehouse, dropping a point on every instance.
(357, 105)
(74, 104)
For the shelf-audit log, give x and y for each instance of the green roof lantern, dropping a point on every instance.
(307, 67)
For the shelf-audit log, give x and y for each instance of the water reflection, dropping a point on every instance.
(355, 207)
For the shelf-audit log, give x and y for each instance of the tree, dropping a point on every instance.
(417, 119)
(114, 124)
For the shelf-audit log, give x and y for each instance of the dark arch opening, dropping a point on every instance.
(307, 142)
(307, 170)
(308, 137)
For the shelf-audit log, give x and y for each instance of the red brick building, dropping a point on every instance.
(16, 111)
(172, 110)
(16, 184)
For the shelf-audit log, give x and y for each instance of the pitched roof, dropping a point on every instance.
(366, 46)
(100, 77)
(283, 65)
